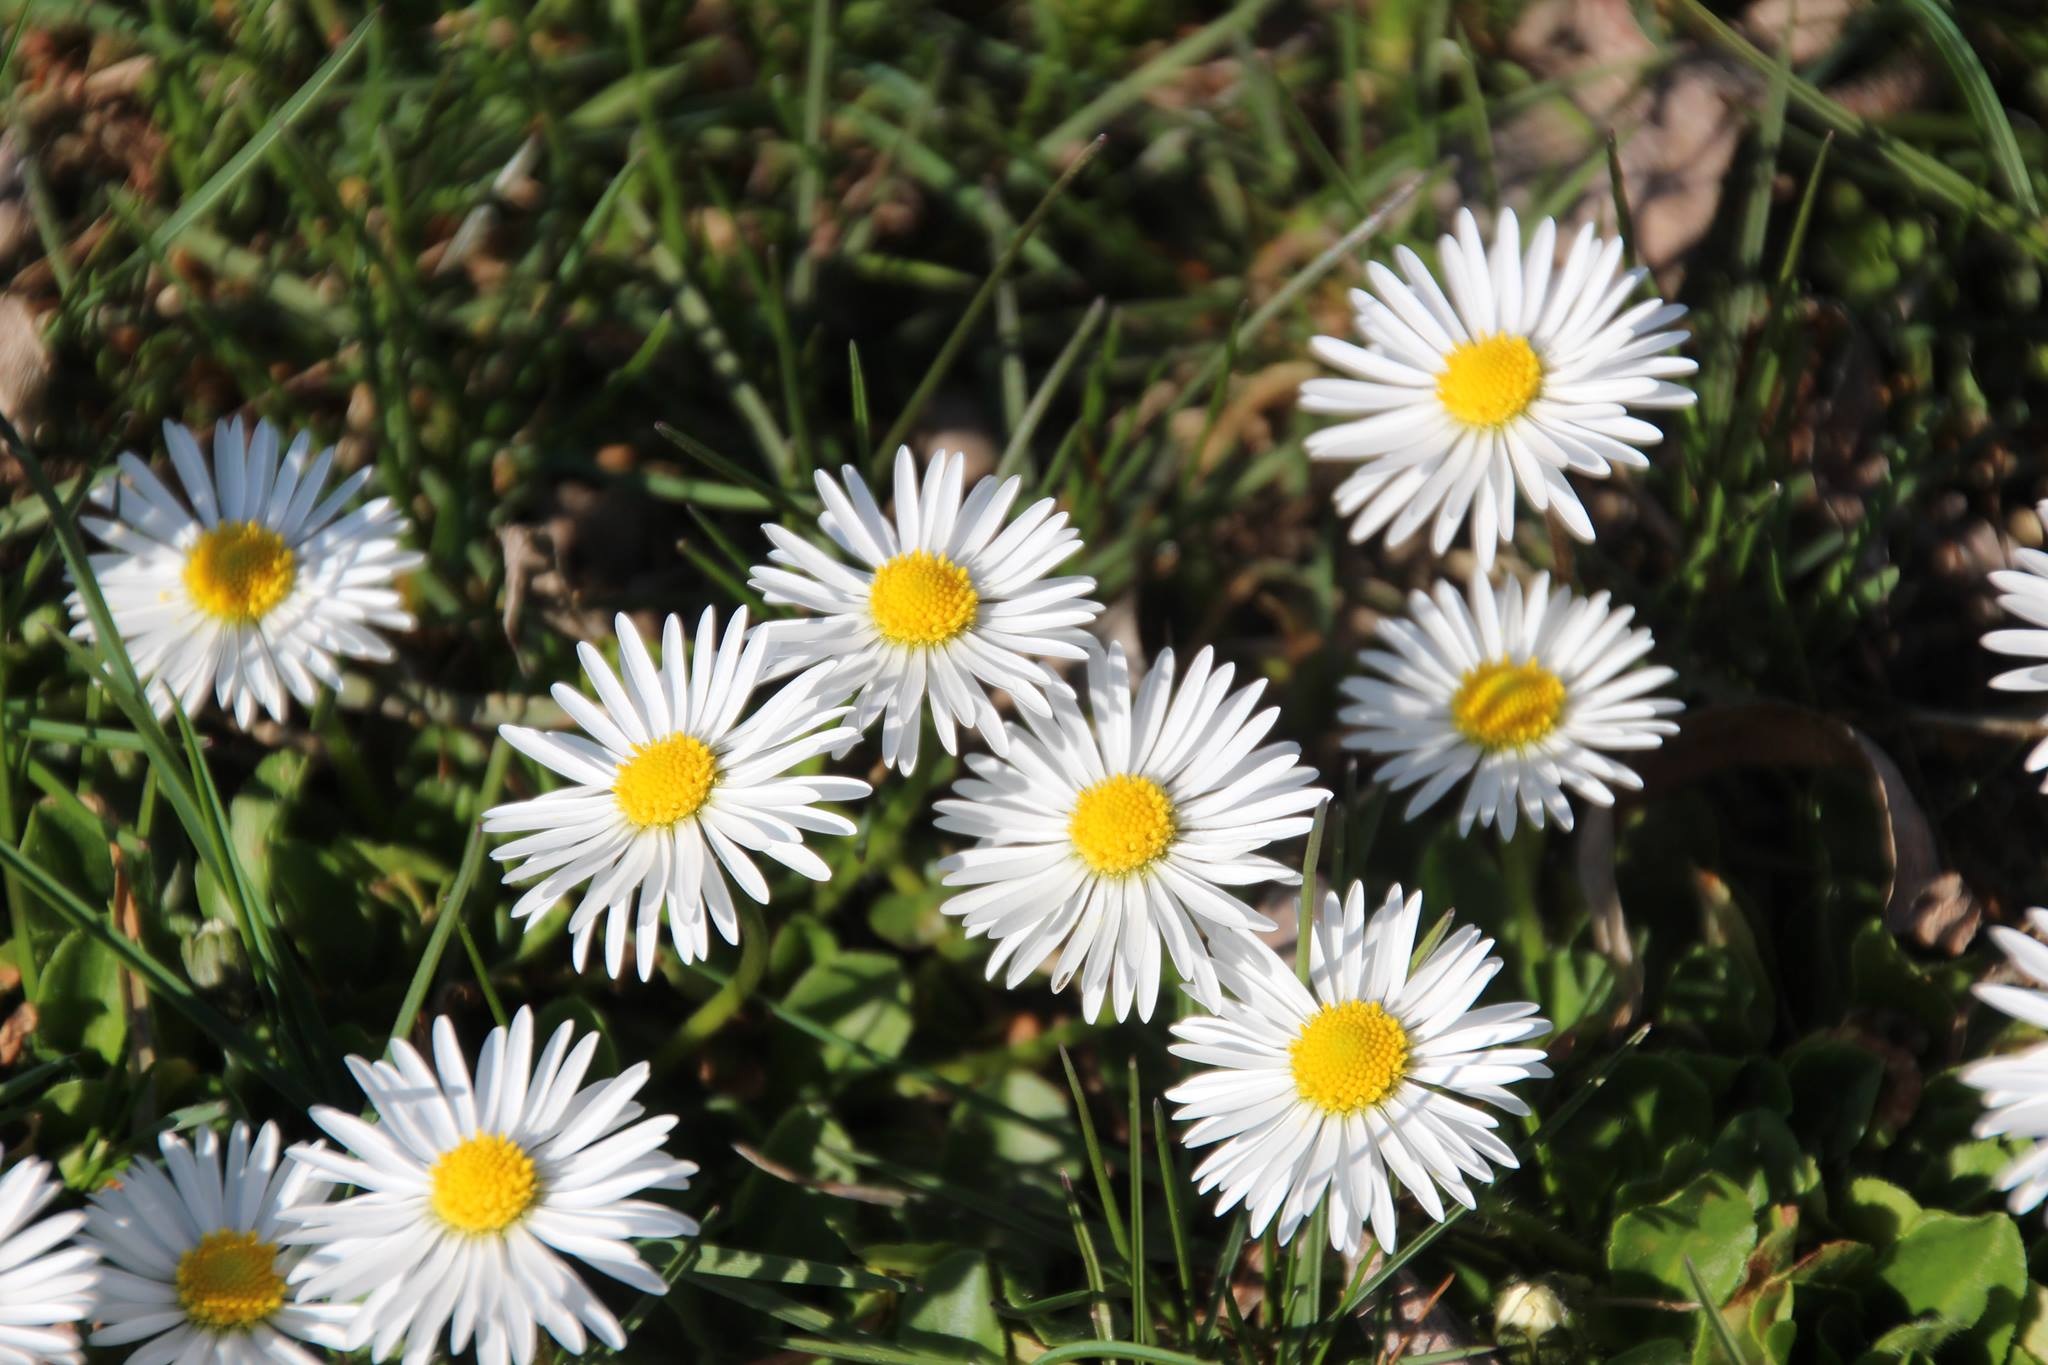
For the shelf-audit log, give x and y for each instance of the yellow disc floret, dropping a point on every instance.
(665, 781)
(1490, 381)
(1349, 1057)
(1503, 705)
(228, 1280)
(1122, 824)
(483, 1184)
(240, 571)
(921, 598)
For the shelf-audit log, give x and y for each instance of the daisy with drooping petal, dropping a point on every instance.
(476, 1194)
(673, 792)
(46, 1284)
(2015, 1085)
(1523, 693)
(1520, 374)
(1108, 839)
(944, 602)
(194, 1271)
(259, 587)
(1364, 1076)
(2023, 591)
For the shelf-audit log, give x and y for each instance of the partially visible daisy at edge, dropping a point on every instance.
(675, 790)
(193, 1266)
(476, 1194)
(2015, 1084)
(47, 1282)
(256, 589)
(2023, 591)
(1112, 835)
(1523, 692)
(947, 600)
(1513, 373)
(1368, 1075)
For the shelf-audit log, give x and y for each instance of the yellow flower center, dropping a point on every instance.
(1502, 705)
(1122, 824)
(1349, 1057)
(483, 1184)
(1490, 381)
(239, 571)
(922, 599)
(228, 1280)
(666, 781)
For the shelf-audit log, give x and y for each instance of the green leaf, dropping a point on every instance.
(1709, 1221)
(1883, 977)
(1757, 1149)
(1915, 1340)
(860, 996)
(1834, 1089)
(78, 1000)
(952, 1312)
(764, 1268)
(69, 842)
(1877, 1211)
(1966, 1270)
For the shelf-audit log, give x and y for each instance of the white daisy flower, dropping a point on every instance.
(2023, 591)
(474, 1195)
(943, 602)
(2015, 1085)
(1519, 375)
(194, 1270)
(1107, 838)
(672, 792)
(256, 590)
(46, 1284)
(1359, 1078)
(1522, 693)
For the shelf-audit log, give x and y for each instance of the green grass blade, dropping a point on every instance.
(1169, 1188)
(1978, 96)
(1018, 451)
(1090, 118)
(1305, 904)
(950, 350)
(1100, 1169)
(1141, 1320)
(1717, 1326)
(201, 200)
(1091, 1263)
(173, 989)
(452, 901)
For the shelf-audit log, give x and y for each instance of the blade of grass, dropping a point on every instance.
(1919, 169)
(950, 350)
(1141, 1318)
(1717, 1326)
(1017, 452)
(163, 983)
(1090, 1262)
(810, 179)
(1305, 904)
(450, 910)
(859, 386)
(201, 200)
(1169, 1186)
(1100, 1169)
(1979, 98)
(1090, 118)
